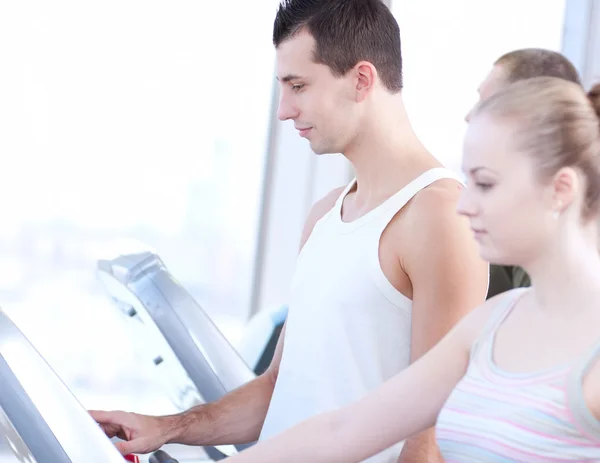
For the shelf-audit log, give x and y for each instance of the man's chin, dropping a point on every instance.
(321, 150)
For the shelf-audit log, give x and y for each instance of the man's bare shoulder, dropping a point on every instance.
(431, 219)
(441, 239)
(437, 200)
(430, 232)
(319, 209)
(430, 208)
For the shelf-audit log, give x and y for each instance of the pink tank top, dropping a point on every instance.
(497, 416)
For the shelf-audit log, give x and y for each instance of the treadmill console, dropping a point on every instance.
(177, 331)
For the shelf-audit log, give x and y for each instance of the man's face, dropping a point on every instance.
(321, 105)
(495, 81)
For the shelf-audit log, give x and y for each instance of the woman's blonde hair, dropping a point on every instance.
(558, 124)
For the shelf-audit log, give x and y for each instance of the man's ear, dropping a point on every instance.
(366, 76)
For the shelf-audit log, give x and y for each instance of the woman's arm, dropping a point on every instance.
(405, 405)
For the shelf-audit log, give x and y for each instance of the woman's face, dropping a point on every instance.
(509, 209)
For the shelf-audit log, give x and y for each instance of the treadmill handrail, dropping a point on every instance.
(183, 345)
(26, 419)
(182, 322)
(37, 385)
(160, 456)
(212, 364)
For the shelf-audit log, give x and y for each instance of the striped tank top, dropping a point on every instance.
(496, 416)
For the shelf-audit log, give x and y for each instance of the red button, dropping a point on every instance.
(133, 458)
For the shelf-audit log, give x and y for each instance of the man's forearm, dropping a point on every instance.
(421, 448)
(237, 418)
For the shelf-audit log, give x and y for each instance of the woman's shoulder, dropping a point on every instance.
(484, 316)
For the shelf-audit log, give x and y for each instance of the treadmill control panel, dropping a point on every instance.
(40, 419)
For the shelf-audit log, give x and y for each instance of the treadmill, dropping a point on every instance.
(40, 419)
(175, 331)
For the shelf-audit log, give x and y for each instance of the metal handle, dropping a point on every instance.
(161, 457)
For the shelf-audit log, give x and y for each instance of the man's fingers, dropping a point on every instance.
(110, 430)
(106, 421)
(101, 416)
(126, 447)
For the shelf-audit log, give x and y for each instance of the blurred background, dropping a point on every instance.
(155, 122)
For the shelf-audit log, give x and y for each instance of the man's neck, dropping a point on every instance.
(386, 156)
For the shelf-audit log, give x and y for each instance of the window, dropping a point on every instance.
(448, 48)
(141, 120)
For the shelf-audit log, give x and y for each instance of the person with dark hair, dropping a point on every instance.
(386, 267)
(517, 379)
(526, 63)
(511, 67)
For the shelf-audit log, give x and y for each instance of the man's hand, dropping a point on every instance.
(141, 433)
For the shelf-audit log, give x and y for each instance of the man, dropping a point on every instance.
(386, 266)
(512, 67)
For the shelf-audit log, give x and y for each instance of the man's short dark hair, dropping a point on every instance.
(346, 32)
(537, 62)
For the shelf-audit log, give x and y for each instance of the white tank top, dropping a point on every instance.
(348, 329)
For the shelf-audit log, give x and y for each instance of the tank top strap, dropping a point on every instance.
(575, 398)
(499, 313)
(391, 207)
(379, 217)
(337, 208)
(587, 361)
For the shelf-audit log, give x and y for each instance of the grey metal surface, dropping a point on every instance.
(161, 457)
(212, 363)
(141, 286)
(47, 421)
(12, 447)
(22, 414)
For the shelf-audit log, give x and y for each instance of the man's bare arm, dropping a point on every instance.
(236, 418)
(449, 279)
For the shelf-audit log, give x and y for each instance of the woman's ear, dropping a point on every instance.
(565, 185)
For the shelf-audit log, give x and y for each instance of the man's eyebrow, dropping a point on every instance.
(288, 78)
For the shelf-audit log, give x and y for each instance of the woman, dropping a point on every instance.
(516, 65)
(518, 380)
